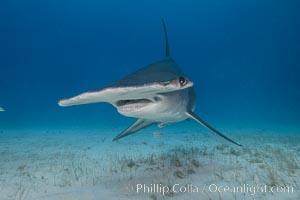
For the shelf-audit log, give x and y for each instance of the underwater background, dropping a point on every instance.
(243, 57)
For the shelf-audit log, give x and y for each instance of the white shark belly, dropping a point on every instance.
(170, 108)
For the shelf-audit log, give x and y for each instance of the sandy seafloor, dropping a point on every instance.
(87, 165)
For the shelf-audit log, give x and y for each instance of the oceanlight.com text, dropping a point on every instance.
(246, 188)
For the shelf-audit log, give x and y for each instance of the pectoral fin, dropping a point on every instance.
(136, 126)
(203, 123)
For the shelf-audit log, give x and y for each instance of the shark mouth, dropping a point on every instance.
(129, 105)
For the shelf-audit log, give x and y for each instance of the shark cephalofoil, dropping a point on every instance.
(156, 94)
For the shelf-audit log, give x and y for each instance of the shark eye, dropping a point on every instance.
(182, 81)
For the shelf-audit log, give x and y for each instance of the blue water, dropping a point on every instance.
(243, 57)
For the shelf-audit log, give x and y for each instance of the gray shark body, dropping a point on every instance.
(156, 94)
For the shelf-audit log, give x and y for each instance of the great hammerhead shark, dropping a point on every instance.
(156, 94)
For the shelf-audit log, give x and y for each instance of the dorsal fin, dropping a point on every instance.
(166, 39)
